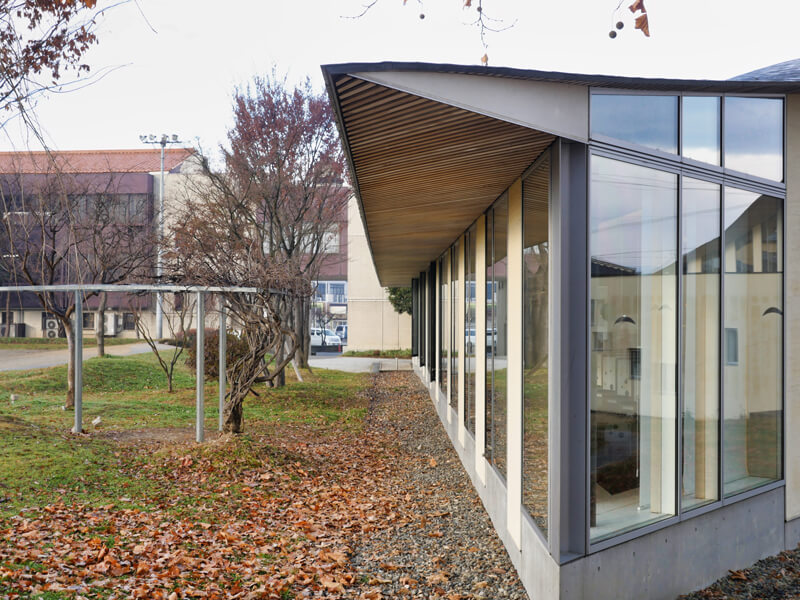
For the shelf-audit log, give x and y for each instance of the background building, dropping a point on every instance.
(127, 179)
(373, 323)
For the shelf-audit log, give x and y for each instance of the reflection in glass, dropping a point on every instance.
(496, 333)
(535, 306)
(700, 257)
(640, 119)
(469, 329)
(754, 136)
(701, 124)
(753, 390)
(633, 235)
(455, 324)
(444, 312)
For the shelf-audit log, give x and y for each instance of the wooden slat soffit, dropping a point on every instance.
(425, 170)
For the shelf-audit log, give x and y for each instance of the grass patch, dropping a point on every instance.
(58, 343)
(41, 462)
(404, 353)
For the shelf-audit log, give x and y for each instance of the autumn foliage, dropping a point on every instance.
(39, 37)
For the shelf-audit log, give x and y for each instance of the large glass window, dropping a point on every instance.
(469, 329)
(444, 312)
(455, 323)
(753, 389)
(497, 333)
(701, 128)
(633, 246)
(645, 120)
(754, 136)
(536, 307)
(700, 260)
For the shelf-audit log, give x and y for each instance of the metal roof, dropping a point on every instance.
(751, 85)
(784, 71)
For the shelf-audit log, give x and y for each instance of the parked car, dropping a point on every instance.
(341, 331)
(324, 340)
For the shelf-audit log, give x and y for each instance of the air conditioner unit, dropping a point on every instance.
(50, 328)
(112, 325)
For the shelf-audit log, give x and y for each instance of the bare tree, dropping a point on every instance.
(285, 152)
(222, 238)
(71, 228)
(179, 311)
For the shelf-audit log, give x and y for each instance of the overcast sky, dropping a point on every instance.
(170, 66)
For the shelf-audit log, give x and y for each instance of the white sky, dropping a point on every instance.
(178, 77)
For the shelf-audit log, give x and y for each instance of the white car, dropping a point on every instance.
(324, 339)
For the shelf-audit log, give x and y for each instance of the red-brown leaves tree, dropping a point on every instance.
(285, 151)
(222, 239)
(38, 38)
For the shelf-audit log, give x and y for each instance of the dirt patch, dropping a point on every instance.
(155, 436)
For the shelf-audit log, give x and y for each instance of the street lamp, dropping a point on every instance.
(162, 141)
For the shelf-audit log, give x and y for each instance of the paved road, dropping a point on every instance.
(355, 364)
(18, 359)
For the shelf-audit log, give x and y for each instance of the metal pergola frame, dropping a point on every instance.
(201, 291)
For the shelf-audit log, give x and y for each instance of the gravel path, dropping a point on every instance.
(450, 550)
(773, 578)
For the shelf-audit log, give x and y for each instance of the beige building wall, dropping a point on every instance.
(791, 311)
(372, 322)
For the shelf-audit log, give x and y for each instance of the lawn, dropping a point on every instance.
(135, 508)
(41, 462)
(58, 343)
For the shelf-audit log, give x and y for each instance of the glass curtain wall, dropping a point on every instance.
(469, 329)
(444, 312)
(753, 387)
(536, 309)
(633, 224)
(497, 332)
(455, 324)
(700, 264)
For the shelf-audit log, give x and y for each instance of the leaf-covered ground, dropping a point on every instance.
(344, 486)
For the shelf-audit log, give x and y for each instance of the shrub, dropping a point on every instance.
(235, 348)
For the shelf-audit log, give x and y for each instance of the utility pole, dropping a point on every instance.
(163, 141)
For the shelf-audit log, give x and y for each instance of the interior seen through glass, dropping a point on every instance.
(633, 235)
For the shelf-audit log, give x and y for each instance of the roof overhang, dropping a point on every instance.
(430, 147)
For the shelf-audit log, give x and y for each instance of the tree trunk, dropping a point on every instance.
(280, 379)
(100, 326)
(303, 332)
(69, 403)
(232, 415)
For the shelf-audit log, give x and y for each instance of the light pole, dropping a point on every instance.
(162, 141)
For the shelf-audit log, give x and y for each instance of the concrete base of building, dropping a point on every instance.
(680, 558)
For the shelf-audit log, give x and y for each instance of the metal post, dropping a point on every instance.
(159, 266)
(199, 403)
(77, 332)
(223, 347)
